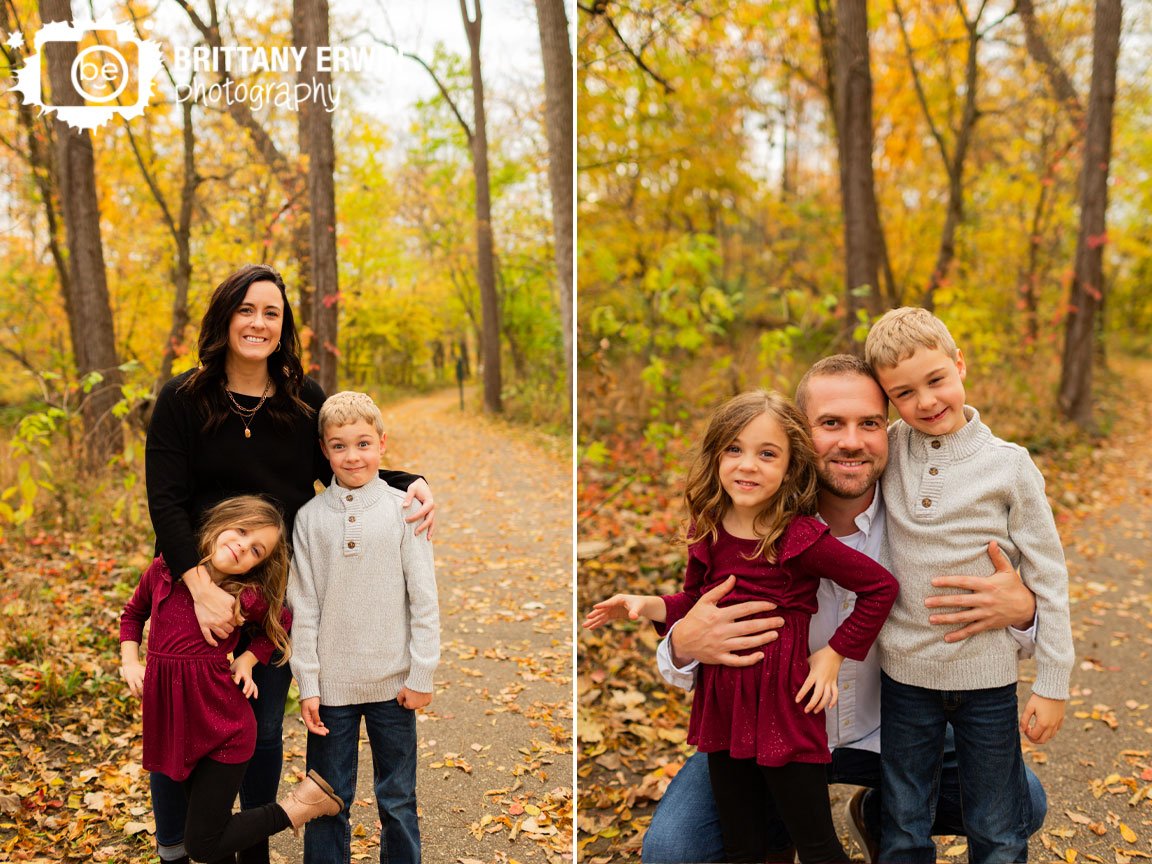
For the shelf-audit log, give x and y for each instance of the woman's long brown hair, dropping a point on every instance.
(706, 500)
(206, 383)
(270, 576)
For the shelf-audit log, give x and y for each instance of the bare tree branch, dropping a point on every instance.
(436, 79)
(921, 96)
(599, 9)
(1062, 87)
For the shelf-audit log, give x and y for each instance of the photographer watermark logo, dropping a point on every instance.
(111, 73)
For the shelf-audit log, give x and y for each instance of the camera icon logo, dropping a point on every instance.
(110, 72)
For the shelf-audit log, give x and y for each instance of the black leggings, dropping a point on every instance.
(800, 792)
(212, 832)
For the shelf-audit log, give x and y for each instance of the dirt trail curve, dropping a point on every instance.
(495, 746)
(1098, 769)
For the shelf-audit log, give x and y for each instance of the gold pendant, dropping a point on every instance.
(247, 432)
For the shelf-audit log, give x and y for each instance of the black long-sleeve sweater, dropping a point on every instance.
(189, 470)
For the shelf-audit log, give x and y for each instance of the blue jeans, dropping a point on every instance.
(686, 827)
(261, 779)
(992, 780)
(392, 737)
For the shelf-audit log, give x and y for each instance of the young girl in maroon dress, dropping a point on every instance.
(750, 496)
(198, 726)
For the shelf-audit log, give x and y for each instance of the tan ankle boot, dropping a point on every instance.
(312, 797)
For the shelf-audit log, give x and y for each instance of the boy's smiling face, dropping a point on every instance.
(927, 390)
(354, 452)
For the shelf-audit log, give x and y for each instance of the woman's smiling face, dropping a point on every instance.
(254, 332)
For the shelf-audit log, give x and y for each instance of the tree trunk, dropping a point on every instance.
(485, 269)
(182, 273)
(553, 24)
(310, 19)
(955, 168)
(962, 137)
(89, 310)
(1062, 87)
(857, 190)
(1087, 291)
(291, 177)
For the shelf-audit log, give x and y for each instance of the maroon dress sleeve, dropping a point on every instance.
(825, 557)
(139, 608)
(254, 609)
(677, 605)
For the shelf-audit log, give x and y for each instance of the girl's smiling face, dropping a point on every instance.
(238, 550)
(753, 466)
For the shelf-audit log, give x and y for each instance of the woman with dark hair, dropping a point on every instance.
(243, 422)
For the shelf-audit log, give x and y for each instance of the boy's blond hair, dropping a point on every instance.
(348, 406)
(898, 334)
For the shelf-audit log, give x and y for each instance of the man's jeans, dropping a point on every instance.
(685, 827)
(993, 783)
(392, 737)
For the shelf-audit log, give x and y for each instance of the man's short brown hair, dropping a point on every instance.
(836, 366)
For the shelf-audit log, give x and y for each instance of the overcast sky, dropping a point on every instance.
(509, 44)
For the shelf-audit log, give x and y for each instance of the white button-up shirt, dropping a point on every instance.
(854, 721)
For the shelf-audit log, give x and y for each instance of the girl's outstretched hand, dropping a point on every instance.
(630, 606)
(133, 675)
(242, 668)
(823, 667)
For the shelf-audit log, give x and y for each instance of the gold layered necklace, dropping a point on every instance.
(246, 414)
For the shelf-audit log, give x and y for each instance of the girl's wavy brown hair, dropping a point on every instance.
(270, 576)
(706, 500)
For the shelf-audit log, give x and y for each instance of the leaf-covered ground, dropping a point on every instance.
(1097, 772)
(495, 746)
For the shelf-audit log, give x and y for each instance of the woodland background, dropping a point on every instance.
(757, 182)
(413, 226)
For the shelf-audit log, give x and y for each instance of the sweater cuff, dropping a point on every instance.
(307, 691)
(420, 680)
(1052, 683)
(309, 685)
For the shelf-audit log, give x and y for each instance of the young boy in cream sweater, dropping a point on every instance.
(950, 486)
(366, 632)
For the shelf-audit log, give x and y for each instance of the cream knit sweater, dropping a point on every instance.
(362, 589)
(947, 496)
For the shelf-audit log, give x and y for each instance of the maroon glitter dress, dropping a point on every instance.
(192, 707)
(751, 711)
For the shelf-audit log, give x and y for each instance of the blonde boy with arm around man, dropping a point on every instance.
(950, 486)
(366, 632)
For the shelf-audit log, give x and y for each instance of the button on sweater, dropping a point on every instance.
(363, 595)
(947, 497)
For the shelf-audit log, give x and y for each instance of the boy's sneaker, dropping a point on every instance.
(858, 828)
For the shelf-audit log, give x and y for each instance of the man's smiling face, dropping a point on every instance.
(849, 419)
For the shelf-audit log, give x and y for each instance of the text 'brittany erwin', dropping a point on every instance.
(246, 59)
